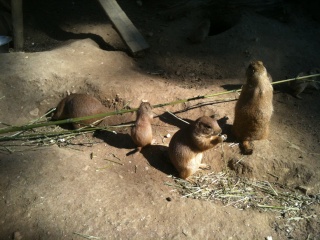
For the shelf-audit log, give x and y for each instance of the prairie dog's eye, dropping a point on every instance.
(207, 126)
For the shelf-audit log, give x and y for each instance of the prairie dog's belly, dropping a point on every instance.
(195, 161)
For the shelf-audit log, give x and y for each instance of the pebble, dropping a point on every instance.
(17, 236)
(34, 112)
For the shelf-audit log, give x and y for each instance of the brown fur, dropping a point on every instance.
(298, 86)
(79, 105)
(254, 108)
(187, 145)
(141, 133)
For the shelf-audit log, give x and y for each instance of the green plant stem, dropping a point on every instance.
(108, 114)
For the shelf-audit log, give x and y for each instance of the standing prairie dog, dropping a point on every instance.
(79, 105)
(187, 145)
(141, 132)
(254, 107)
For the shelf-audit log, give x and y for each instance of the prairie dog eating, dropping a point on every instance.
(254, 107)
(188, 144)
(79, 105)
(141, 132)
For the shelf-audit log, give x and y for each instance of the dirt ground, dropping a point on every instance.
(69, 190)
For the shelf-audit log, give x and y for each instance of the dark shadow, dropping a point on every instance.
(227, 129)
(169, 119)
(65, 126)
(49, 16)
(158, 157)
(283, 88)
(61, 35)
(118, 140)
(230, 87)
(223, 20)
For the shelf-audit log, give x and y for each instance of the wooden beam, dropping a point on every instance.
(17, 22)
(128, 32)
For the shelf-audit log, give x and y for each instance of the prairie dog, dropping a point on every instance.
(79, 105)
(187, 145)
(201, 32)
(141, 132)
(298, 86)
(254, 107)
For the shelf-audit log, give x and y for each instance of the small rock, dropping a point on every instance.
(17, 236)
(169, 199)
(86, 168)
(44, 102)
(34, 112)
(168, 135)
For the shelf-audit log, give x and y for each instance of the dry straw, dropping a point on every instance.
(242, 193)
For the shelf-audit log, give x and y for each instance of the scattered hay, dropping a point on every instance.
(48, 137)
(242, 193)
(30, 138)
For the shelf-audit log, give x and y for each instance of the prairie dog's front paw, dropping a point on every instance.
(204, 166)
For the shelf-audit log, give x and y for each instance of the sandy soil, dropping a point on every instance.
(57, 191)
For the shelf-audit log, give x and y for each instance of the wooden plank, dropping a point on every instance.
(17, 22)
(128, 32)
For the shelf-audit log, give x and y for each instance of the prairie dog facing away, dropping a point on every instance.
(141, 132)
(298, 86)
(188, 144)
(79, 105)
(254, 107)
